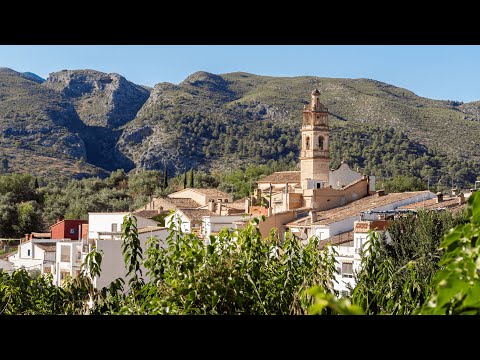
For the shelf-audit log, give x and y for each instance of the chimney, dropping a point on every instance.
(454, 192)
(380, 193)
(218, 208)
(247, 206)
(313, 216)
(461, 199)
(211, 206)
(439, 197)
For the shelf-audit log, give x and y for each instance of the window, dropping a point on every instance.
(226, 200)
(347, 269)
(72, 231)
(319, 185)
(65, 253)
(28, 252)
(320, 142)
(114, 227)
(307, 143)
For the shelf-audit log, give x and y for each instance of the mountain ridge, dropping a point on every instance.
(211, 121)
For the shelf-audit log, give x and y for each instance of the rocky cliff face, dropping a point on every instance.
(37, 122)
(207, 121)
(107, 100)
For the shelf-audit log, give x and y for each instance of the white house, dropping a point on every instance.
(105, 233)
(187, 220)
(328, 223)
(35, 254)
(336, 226)
(212, 224)
(68, 260)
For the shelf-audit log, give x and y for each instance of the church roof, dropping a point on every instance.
(282, 177)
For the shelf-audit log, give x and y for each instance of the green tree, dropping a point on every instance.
(192, 185)
(28, 218)
(165, 176)
(404, 183)
(456, 287)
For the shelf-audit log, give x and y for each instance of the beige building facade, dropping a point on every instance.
(315, 186)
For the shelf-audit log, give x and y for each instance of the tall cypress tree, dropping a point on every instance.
(191, 178)
(185, 179)
(165, 176)
(36, 184)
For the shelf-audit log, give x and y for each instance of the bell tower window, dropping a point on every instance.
(320, 142)
(307, 143)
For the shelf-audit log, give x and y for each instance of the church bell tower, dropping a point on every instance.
(314, 155)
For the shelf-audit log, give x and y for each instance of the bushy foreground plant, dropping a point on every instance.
(238, 272)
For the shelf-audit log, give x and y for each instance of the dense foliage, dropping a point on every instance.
(387, 153)
(241, 273)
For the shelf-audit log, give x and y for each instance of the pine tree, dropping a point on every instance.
(191, 178)
(165, 176)
(185, 179)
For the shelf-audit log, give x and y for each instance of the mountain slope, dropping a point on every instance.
(38, 124)
(85, 119)
(227, 120)
(106, 100)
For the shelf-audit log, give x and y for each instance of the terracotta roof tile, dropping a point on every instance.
(183, 203)
(47, 247)
(354, 208)
(282, 177)
(431, 204)
(338, 239)
(203, 191)
(212, 192)
(39, 235)
(146, 213)
(197, 214)
(150, 229)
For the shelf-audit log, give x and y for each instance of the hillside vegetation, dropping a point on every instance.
(91, 123)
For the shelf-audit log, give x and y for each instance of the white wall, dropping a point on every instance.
(341, 284)
(344, 175)
(113, 265)
(73, 249)
(175, 218)
(5, 265)
(102, 222)
(23, 250)
(322, 232)
(217, 223)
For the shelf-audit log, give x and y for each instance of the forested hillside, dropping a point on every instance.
(88, 122)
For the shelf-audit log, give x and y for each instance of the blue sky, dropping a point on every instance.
(438, 72)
